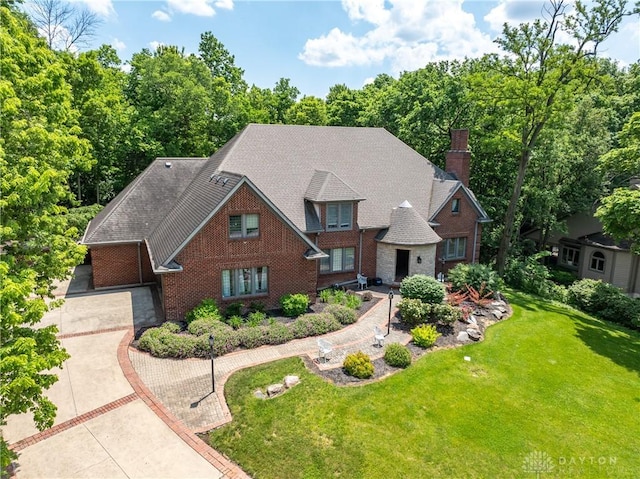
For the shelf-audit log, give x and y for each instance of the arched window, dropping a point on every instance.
(597, 262)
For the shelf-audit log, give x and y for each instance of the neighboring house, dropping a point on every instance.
(587, 251)
(283, 209)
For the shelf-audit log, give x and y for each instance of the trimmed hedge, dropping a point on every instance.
(358, 365)
(425, 335)
(314, 324)
(294, 304)
(397, 355)
(423, 287)
(604, 301)
(343, 314)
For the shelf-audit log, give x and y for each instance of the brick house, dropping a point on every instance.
(285, 208)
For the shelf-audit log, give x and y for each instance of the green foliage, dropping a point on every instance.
(445, 313)
(562, 277)
(343, 314)
(619, 214)
(353, 301)
(256, 318)
(40, 147)
(277, 333)
(338, 296)
(172, 326)
(234, 309)
(397, 355)
(358, 365)
(294, 304)
(162, 342)
(413, 311)
(252, 337)
(235, 321)
(604, 301)
(423, 287)
(257, 306)
(325, 295)
(425, 335)
(79, 218)
(207, 325)
(314, 324)
(531, 276)
(206, 309)
(475, 275)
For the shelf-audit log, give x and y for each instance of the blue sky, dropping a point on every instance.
(318, 44)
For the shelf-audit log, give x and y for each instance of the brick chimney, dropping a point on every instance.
(459, 156)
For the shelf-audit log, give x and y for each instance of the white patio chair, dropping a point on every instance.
(378, 336)
(324, 348)
(362, 281)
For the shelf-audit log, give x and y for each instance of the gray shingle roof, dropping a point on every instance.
(135, 212)
(325, 186)
(407, 227)
(281, 160)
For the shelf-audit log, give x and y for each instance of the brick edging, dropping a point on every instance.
(58, 428)
(224, 465)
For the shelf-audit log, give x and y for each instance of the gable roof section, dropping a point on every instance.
(202, 199)
(442, 192)
(136, 211)
(325, 186)
(282, 160)
(407, 227)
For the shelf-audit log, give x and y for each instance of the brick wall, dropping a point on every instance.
(457, 225)
(211, 251)
(117, 265)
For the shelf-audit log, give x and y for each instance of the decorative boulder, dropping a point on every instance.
(275, 389)
(259, 394)
(474, 334)
(463, 336)
(290, 381)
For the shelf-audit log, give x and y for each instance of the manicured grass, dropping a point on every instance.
(549, 379)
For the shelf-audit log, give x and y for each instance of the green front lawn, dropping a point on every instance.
(548, 380)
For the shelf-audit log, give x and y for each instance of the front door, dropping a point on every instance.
(402, 263)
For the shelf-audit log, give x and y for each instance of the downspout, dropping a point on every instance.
(139, 265)
(360, 254)
(475, 241)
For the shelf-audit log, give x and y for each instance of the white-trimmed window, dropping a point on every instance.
(597, 262)
(244, 281)
(339, 216)
(570, 256)
(455, 248)
(455, 205)
(340, 259)
(244, 226)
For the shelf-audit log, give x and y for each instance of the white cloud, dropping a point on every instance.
(368, 81)
(154, 45)
(103, 8)
(513, 12)
(118, 44)
(407, 33)
(125, 67)
(161, 16)
(200, 8)
(225, 4)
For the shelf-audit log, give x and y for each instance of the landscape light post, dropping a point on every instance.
(213, 381)
(390, 299)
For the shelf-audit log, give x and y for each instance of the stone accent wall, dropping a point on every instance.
(386, 261)
(211, 251)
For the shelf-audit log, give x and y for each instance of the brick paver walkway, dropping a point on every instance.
(184, 386)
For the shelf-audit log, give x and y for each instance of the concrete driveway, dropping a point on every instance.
(106, 426)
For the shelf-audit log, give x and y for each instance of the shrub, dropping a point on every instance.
(206, 309)
(463, 275)
(397, 355)
(225, 342)
(207, 326)
(358, 365)
(352, 301)
(277, 333)
(604, 301)
(425, 335)
(423, 287)
(531, 276)
(314, 324)
(564, 278)
(343, 314)
(445, 313)
(172, 327)
(294, 304)
(256, 318)
(325, 295)
(257, 306)
(235, 321)
(413, 311)
(582, 294)
(234, 309)
(252, 337)
(338, 296)
(163, 343)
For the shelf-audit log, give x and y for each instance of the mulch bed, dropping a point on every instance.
(382, 369)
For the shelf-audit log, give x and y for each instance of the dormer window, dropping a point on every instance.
(339, 216)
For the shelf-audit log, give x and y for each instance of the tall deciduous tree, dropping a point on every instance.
(533, 83)
(220, 62)
(63, 26)
(310, 110)
(39, 147)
